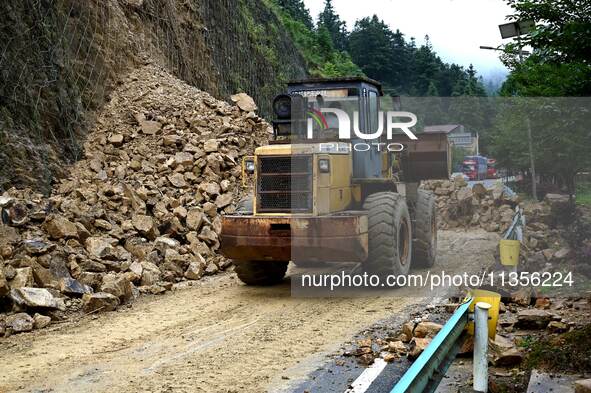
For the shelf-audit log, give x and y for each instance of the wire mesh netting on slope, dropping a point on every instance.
(60, 59)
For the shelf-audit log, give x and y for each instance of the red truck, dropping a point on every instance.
(491, 172)
(475, 167)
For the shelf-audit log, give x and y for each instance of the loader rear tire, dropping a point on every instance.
(389, 234)
(261, 273)
(424, 245)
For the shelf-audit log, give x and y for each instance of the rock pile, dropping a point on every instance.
(461, 206)
(140, 212)
(409, 343)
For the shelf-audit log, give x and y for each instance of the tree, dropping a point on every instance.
(372, 48)
(539, 78)
(426, 67)
(561, 138)
(559, 66)
(337, 29)
(562, 28)
(316, 45)
(298, 11)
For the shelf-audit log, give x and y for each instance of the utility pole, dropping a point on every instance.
(530, 142)
(534, 188)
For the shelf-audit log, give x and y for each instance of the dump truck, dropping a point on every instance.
(322, 193)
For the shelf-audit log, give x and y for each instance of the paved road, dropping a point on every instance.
(219, 336)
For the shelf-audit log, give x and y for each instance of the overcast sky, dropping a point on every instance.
(456, 28)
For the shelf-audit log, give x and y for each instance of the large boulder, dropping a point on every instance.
(21, 322)
(533, 318)
(72, 287)
(244, 102)
(41, 321)
(196, 268)
(117, 285)
(194, 219)
(37, 246)
(427, 329)
(583, 386)
(101, 248)
(138, 247)
(36, 298)
(22, 278)
(145, 225)
(59, 227)
(4, 288)
(164, 243)
(210, 145)
(417, 346)
(99, 301)
(503, 352)
(151, 274)
(223, 200)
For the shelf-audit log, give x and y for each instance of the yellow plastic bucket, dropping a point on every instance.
(492, 298)
(510, 252)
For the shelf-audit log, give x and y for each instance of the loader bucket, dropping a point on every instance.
(427, 158)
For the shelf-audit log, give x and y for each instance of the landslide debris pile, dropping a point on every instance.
(461, 206)
(493, 209)
(139, 213)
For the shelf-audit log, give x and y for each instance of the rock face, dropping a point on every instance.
(163, 162)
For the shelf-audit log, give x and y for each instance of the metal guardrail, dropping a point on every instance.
(515, 231)
(427, 371)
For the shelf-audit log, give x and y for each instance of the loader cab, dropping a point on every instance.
(303, 115)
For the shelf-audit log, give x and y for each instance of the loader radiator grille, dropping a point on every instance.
(284, 184)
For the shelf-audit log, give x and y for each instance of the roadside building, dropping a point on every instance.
(458, 135)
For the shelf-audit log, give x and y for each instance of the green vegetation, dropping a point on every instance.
(526, 342)
(584, 193)
(404, 68)
(372, 49)
(569, 352)
(316, 43)
(560, 66)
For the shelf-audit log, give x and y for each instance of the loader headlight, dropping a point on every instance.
(282, 106)
(249, 167)
(324, 165)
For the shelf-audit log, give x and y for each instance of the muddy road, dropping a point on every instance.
(215, 336)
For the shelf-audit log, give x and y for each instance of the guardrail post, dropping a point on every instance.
(481, 347)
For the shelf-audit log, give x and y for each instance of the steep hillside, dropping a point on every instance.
(59, 60)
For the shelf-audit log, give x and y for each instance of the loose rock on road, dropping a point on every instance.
(217, 336)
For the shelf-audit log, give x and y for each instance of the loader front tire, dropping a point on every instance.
(424, 245)
(389, 234)
(261, 273)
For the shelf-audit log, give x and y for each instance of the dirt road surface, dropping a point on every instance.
(216, 336)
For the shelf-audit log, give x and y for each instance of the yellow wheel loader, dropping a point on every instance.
(328, 191)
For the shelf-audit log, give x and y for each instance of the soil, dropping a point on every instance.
(218, 335)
